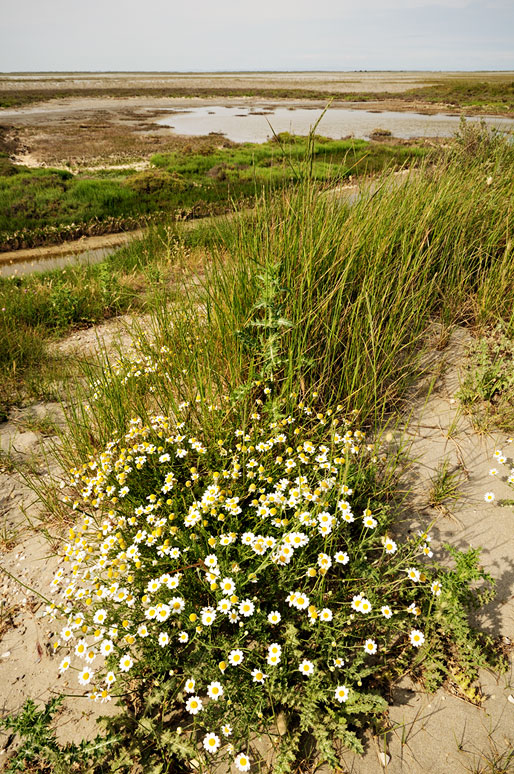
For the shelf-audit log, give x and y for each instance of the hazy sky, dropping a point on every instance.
(262, 35)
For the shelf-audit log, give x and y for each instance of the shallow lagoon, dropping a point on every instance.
(252, 124)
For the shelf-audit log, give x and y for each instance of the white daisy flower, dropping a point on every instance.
(246, 608)
(194, 705)
(416, 638)
(228, 586)
(81, 648)
(211, 742)
(242, 762)
(370, 646)
(300, 600)
(107, 647)
(390, 546)
(90, 656)
(258, 676)
(236, 657)
(341, 693)
(100, 616)
(125, 663)
(176, 604)
(306, 667)
(365, 605)
(224, 606)
(215, 690)
(110, 678)
(85, 676)
(274, 617)
(67, 634)
(208, 616)
(153, 585)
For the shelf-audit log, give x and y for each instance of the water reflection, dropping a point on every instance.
(18, 268)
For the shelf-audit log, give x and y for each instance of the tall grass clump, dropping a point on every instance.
(349, 289)
(324, 294)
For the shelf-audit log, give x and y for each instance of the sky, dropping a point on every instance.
(211, 35)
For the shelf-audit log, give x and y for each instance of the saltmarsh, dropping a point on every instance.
(46, 206)
(233, 565)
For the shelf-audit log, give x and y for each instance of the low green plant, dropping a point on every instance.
(487, 389)
(445, 485)
(46, 206)
(39, 750)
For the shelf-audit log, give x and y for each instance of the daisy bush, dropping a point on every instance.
(254, 575)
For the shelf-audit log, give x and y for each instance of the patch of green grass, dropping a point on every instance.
(445, 485)
(34, 309)
(492, 96)
(9, 98)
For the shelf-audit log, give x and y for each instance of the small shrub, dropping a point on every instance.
(153, 181)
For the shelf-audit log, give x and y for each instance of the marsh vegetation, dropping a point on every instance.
(45, 206)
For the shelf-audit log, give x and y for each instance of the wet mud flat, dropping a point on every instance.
(111, 132)
(113, 119)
